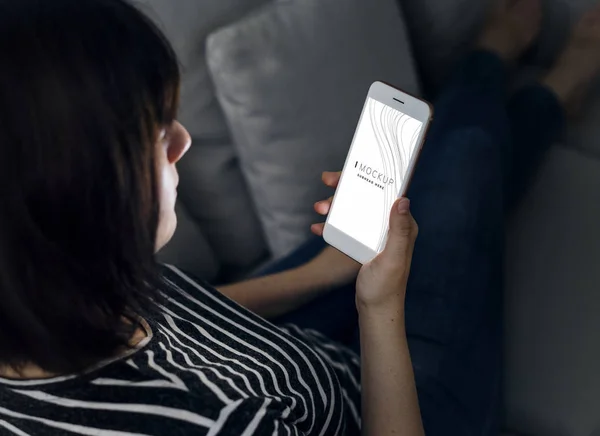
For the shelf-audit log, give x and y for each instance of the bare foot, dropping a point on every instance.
(579, 63)
(512, 27)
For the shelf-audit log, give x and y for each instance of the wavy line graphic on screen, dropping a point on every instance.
(396, 134)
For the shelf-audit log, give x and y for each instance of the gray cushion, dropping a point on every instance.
(553, 302)
(212, 186)
(292, 79)
(189, 249)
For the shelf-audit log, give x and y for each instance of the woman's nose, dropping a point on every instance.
(180, 142)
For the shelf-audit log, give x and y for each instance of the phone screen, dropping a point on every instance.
(375, 173)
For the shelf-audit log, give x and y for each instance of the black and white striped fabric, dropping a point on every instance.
(207, 367)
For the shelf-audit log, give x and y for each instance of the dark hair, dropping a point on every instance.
(85, 86)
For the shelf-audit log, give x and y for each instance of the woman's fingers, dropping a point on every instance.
(402, 234)
(323, 207)
(331, 178)
(317, 229)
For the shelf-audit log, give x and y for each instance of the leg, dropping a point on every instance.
(537, 119)
(454, 298)
(475, 167)
(455, 293)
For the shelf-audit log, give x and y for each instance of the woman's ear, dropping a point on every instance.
(179, 142)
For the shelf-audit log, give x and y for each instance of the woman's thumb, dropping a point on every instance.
(403, 228)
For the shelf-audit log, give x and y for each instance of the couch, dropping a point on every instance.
(272, 91)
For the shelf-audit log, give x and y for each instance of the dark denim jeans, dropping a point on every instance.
(479, 154)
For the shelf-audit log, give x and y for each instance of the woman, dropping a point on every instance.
(96, 340)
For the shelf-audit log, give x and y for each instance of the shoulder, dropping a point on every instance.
(176, 279)
(182, 288)
(190, 296)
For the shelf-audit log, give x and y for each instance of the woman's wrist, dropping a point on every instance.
(391, 309)
(376, 293)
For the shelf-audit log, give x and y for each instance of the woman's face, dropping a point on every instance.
(174, 141)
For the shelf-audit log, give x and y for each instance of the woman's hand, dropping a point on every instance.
(383, 280)
(388, 271)
(331, 179)
(336, 268)
(390, 405)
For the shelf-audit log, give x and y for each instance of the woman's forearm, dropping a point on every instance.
(278, 294)
(389, 395)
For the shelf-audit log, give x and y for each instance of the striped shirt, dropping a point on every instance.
(206, 367)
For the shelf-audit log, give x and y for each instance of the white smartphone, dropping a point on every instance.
(378, 169)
